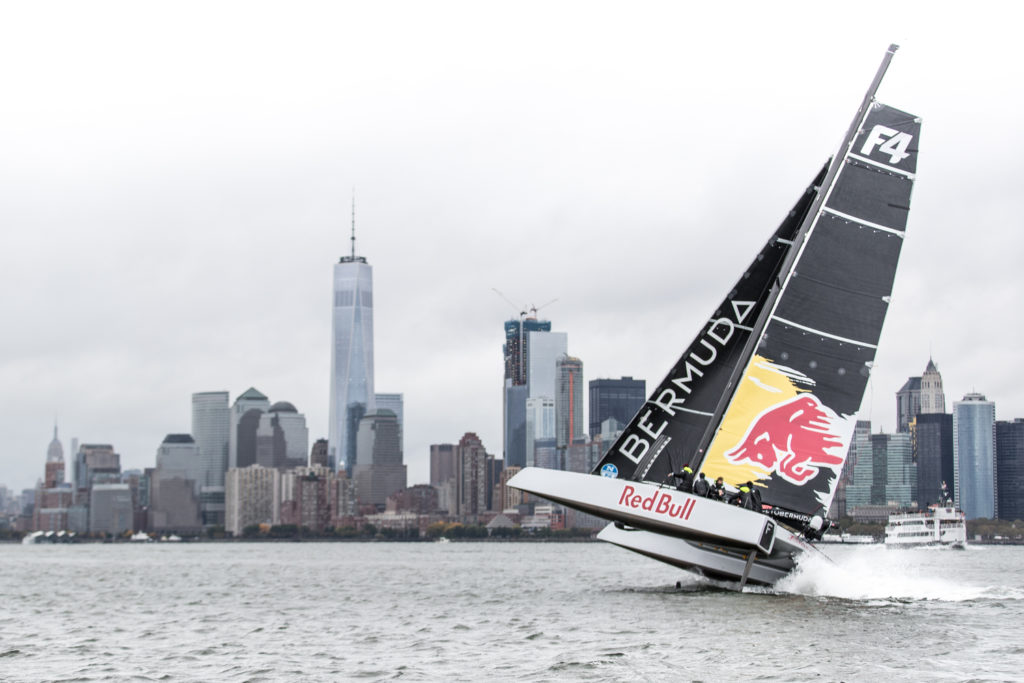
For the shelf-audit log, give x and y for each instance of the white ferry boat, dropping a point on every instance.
(943, 526)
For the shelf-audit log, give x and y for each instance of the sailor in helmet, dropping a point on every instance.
(743, 497)
(685, 477)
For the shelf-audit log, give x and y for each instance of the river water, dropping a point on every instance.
(498, 611)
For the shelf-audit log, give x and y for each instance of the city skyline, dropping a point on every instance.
(173, 219)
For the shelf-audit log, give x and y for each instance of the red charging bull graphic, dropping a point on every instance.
(791, 439)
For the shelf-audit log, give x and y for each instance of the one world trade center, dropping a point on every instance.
(351, 355)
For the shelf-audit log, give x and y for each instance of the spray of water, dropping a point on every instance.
(876, 573)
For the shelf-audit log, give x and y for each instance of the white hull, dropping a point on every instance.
(710, 560)
(722, 541)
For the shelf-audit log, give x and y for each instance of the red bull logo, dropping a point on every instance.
(791, 439)
(660, 503)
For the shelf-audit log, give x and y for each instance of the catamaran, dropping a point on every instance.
(768, 391)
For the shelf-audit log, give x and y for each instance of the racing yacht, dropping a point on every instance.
(768, 391)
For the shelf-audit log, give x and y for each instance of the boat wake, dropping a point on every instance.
(879, 574)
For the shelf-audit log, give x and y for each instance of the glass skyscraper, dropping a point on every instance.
(519, 335)
(211, 429)
(974, 456)
(617, 398)
(352, 394)
(1010, 469)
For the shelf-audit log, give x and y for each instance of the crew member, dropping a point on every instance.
(717, 491)
(701, 486)
(755, 496)
(743, 497)
(685, 477)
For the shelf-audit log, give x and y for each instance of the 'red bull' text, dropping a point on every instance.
(659, 502)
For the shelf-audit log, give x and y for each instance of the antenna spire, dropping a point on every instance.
(353, 223)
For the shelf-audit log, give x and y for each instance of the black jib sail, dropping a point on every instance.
(667, 430)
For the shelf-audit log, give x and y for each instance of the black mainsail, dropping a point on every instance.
(769, 390)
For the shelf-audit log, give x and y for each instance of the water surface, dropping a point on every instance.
(524, 611)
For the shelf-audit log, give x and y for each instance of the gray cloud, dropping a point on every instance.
(175, 188)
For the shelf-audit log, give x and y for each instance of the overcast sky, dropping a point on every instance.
(175, 186)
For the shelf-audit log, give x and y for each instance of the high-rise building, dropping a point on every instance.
(471, 476)
(175, 486)
(245, 418)
(547, 455)
(516, 346)
(569, 425)
(544, 351)
(54, 462)
(974, 456)
(211, 429)
(840, 503)
(1010, 469)
(920, 395)
(510, 498)
(309, 497)
(53, 497)
(396, 404)
(908, 403)
(933, 452)
(517, 351)
(179, 456)
(442, 463)
(318, 455)
(540, 424)
(883, 473)
(514, 435)
(110, 509)
(620, 399)
(268, 435)
(378, 470)
(933, 398)
(282, 437)
(352, 394)
(252, 496)
(94, 464)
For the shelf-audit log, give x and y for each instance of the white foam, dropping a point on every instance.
(876, 573)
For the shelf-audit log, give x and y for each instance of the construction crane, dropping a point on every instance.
(523, 313)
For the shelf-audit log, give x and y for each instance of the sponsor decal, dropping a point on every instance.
(889, 141)
(659, 502)
(777, 427)
(791, 439)
(788, 515)
(610, 470)
(673, 392)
